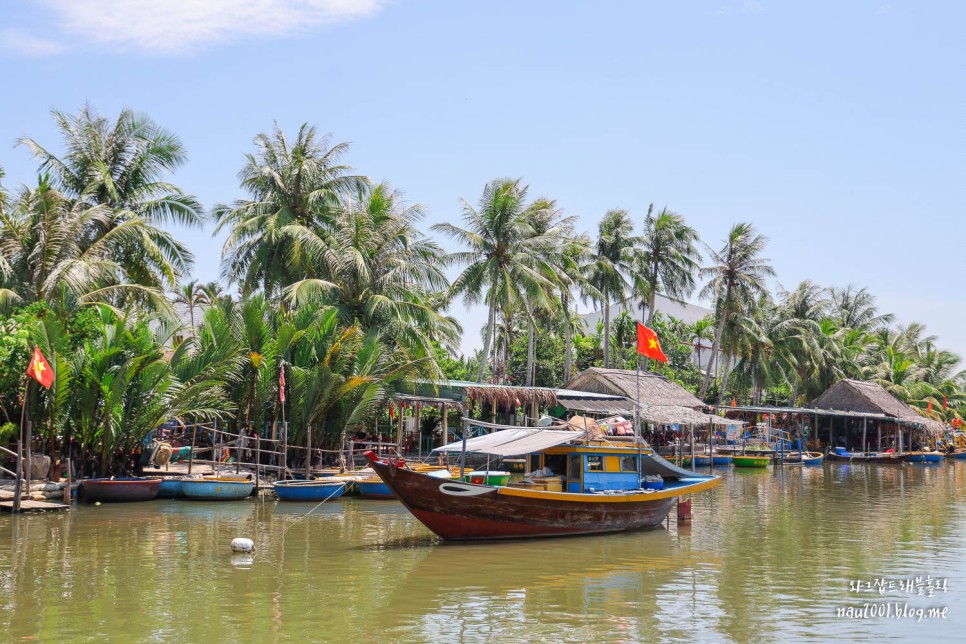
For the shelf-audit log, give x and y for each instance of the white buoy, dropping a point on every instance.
(241, 544)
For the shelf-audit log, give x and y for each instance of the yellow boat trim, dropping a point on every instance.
(611, 498)
(595, 449)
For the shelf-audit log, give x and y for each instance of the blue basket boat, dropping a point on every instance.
(309, 490)
(217, 489)
(171, 489)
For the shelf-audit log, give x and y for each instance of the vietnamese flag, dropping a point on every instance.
(648, 344)
(40, 370)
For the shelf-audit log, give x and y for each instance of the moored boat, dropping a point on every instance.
(748, 460)
(374, 488)
(885, 458)
(600, 483)
(118, 490)
(171, 488)
(924, 457)
(217, 489)
(320, 490)
(959, 454)
(805, 458)
(487, 477)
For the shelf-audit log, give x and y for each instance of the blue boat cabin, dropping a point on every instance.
(591, 469)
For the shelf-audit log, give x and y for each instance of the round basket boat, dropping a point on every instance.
(751, 461)
(217, 489)
(321, 490)
(118, 490)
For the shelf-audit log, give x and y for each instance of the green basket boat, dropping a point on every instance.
(743, 460)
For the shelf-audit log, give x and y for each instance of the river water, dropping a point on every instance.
(771, 555)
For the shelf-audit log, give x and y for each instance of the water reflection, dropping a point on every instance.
(769, 557)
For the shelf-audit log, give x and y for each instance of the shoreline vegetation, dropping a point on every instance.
(339, 285)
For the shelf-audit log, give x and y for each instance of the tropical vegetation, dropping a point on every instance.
(328, 277)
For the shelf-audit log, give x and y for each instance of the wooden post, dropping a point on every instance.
(445, 425)
(878, 429)
(399, 432)
(258, 460)
(191, 454)
(865, 422)
(308, 451)
(534, 412)
(419, 430)
(284, 450)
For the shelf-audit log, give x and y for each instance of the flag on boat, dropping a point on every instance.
(281, 384)
(648, 344)
(40, 370)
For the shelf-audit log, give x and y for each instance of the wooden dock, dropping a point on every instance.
(29, 505)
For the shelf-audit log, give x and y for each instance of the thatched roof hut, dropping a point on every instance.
(662, 402)
(869, 398)
(654, 389)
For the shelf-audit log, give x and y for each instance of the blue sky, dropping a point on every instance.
(836, 128)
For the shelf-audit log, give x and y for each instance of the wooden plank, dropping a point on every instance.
(27, 505)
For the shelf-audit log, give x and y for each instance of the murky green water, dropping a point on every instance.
(769, 557)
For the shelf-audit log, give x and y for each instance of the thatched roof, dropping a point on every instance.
(655, 390)
(507, 395)
(870, 398)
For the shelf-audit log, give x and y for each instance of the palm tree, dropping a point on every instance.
(191, 295)
(855, 308)
(503, 265)
(122, 166)
(377, 271)
(278, 236)
(667, 260)
(547, 221)
(57, 249)
(616, 248)
(737, 279)
(574, 261)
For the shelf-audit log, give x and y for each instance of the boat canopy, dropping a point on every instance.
(514, 442)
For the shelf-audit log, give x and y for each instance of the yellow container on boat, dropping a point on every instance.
(549, 483)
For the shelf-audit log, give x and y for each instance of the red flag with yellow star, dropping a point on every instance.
(648, 344)
(40, 370)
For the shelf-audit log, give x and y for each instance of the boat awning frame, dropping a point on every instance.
(514, 441)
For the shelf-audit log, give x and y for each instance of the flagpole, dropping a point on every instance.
(18, 486)
(638, 434)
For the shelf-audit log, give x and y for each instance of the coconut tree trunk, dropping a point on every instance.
(487, 340)
(531, 352)
(714, 349)
(606, 330)
(724, 376)
(568, 350)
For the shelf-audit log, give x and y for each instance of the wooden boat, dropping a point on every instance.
(601, 490)
(703, 460)
(118, 490)
(171, 488)
(959, 454)
(320, 490)
(721, 459)
(884, 458)
(804, 458)
(374, 488)
(747, 460)
(217, 489)
(924, 457)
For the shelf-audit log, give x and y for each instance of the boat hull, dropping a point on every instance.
(957, 455)
(374, 489)
(308, 490)
(116, 490)
(216, 489)
(458, 511)
(751, 461)
(171, 489)
(884, 458)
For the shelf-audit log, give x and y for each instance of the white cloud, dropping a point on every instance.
(24, 44)
(179, 26)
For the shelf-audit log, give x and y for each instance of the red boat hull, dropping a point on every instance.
(463, 511)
